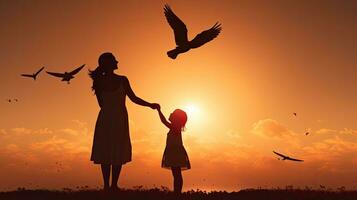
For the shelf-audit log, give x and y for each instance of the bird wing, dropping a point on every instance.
(39, 71)
(55, 74)
(206, 36)
(27, 75)
(280, 154)
(177, 25)
(76, 70)
(294, 159)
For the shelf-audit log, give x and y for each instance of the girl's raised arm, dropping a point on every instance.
(163, 119)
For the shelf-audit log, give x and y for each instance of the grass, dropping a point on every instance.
(163, 194)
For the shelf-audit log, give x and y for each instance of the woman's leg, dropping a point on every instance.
(178, 181)
(106, 175)
(115, 175)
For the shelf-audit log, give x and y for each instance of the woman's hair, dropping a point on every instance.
(179, 119)
(97, 75)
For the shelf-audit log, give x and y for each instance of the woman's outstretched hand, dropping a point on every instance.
(155, 106)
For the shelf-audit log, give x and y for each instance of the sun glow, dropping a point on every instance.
(192, 109)
(193, 112)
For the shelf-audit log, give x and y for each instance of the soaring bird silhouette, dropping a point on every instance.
(67, 76)
(180, 31)
(283, 157)
(295, 114)
(34, 75)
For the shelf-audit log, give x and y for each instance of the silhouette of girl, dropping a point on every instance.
(175, 156)
(111, 144)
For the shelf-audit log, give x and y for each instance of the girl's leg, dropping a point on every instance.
(115, 175)
(106, 175)
(178, 181)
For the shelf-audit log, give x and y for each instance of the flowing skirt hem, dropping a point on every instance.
(111, 162)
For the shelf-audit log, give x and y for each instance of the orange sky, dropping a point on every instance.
(272, 58)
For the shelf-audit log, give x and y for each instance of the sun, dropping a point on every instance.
(193, 111)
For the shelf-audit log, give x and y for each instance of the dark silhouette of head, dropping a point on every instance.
(108, 62)
(178, 119)
(106, 65)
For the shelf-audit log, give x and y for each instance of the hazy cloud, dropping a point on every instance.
(35, 153)
(326, 131)
(28, 131)
(234, 134)
(3, 132)
(270, 128)
(12, 148)
(69, 131)
(348, 131)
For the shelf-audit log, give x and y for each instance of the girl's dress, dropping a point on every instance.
(175, 154)
(111, 143)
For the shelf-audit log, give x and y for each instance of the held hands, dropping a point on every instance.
(155, 106)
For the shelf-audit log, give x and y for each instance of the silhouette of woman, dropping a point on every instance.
(111, 143)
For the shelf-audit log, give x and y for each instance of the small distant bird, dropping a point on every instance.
(180, 31)
(67, 76)
(8, 100)
(295, 114)
(34, 75)
(287, 157)
(307, 133)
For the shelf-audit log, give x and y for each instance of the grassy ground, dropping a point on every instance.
(160, 194)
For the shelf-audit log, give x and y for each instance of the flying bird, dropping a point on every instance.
(8, 100)
(307, 133)
(287, 157)
(67, 76)
(294, 114)
(180, 32)
(34, 75)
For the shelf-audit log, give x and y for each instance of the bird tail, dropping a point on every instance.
(173, 53)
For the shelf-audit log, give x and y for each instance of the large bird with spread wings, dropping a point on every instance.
(67, 76)
(284, 157)
(34, 75)
(180, 31)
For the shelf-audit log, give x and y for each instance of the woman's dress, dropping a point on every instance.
(111, 143)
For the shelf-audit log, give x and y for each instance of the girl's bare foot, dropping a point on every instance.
(106, 188)
(114, 188)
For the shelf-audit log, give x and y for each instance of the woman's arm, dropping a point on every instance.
(136, 99)
(163, 119)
